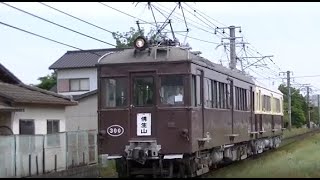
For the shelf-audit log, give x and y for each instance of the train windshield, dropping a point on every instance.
(172, 90)
(115, 92)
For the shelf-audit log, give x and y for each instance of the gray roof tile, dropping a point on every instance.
(26, 94)
(81, 59)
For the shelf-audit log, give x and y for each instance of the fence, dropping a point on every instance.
(28, 155)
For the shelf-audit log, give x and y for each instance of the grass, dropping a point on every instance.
(294, 131)
(300, 159)
(109, 171)
(296, 160)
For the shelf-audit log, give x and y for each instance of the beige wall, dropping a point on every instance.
(40, 114)
(83, 116)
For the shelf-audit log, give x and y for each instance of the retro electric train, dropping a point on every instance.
(165, 111)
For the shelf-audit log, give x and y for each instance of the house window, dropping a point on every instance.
(53, 129)
(79, 84)
(26, 126)
(53, 126)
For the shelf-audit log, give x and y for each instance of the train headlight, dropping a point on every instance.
(140, 43)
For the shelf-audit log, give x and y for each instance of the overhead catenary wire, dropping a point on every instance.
(154, 25)
(68, 14)
(58, 24)
(160, 10)
(43, 37)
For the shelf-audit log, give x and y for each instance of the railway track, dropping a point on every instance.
(285, 142)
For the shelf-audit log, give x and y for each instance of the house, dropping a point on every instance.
(77, 77)
(26, 109)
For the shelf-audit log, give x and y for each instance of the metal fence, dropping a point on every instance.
(29, 155)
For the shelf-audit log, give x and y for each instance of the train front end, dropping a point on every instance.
(142, 108)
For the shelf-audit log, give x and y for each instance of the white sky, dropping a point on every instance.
(288, 31)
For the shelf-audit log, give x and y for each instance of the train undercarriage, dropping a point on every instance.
(144, 160)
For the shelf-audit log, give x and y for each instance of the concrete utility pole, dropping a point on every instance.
(232, 38)
(289, 97)
(319, 110)
(233, 60)
(308, 88)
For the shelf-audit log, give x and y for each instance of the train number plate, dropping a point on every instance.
(144, 124)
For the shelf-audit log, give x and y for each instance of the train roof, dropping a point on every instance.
(268, 88)
(175, 54)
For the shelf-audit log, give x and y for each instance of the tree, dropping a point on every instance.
(126, 39)
(299, 106)
(48, 81)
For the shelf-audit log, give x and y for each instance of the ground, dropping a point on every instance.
(299, 159)
(289, 159)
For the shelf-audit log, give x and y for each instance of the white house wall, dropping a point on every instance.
(90, 73)
(83, 116)
(40, 115)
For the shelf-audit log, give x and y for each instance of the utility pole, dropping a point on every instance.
(289, 97)
(232, 38)
(318, 110)
(233, 60)
(308, 88)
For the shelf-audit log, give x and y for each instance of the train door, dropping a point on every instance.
(142, 105)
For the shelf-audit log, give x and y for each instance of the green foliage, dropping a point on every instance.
(48, 81)
(126, 39)
(299, 106)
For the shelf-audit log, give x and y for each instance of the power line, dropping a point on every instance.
(181, 20)
(57, 24)
(204, 22)
(155, 25)
(207, 16)
(76, 18)
(8, 25)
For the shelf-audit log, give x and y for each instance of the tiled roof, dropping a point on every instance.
(81, 59)
(78, 97)
(7, 76)
(27, 94)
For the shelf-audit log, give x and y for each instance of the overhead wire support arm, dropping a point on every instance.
(256, 61)
(174, 38)
(150, 7)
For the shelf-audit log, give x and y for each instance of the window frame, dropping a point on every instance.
(103, 92)
(52, 121)
(184, 81)
(34, 127)
(79, 80)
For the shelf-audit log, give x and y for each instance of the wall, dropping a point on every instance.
(83, 116)
(40, 114)
(5, 119)
(90, 73)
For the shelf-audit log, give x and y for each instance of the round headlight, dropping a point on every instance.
(140, 43)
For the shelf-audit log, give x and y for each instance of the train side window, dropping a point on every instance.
(172, 89)
(198, 91)
(208, 93)
(214, 94)
(193, 90)
(115, 92)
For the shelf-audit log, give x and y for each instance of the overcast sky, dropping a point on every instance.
(288, 31)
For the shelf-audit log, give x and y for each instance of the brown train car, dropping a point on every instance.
(166, 111)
